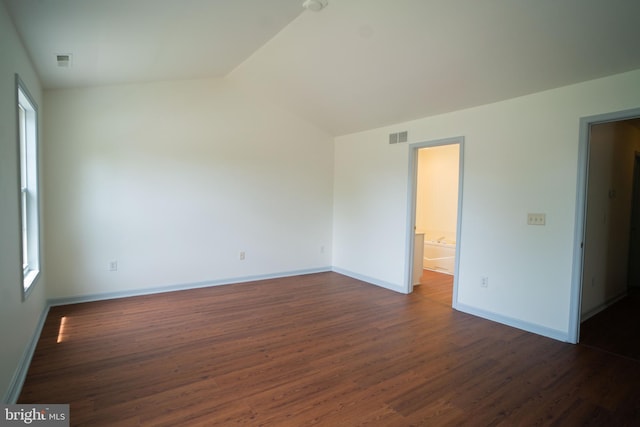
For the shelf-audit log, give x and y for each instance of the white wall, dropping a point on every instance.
(520, 156)
(173, 180)
(606, 248)
(18, 320)
(437, 191)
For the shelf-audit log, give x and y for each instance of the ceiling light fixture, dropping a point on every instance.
(315, 5)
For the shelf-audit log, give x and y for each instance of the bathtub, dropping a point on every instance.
(440, 256)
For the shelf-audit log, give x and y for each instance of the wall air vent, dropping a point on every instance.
(64, 60)
(395, 138)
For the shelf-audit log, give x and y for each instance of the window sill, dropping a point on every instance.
(29, 281)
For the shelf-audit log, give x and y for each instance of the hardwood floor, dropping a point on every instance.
(320, 349)
(616, 329)
(437, 287)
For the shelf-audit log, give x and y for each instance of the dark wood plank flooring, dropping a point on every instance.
(616, 329)
(437, 287)
(320, 349)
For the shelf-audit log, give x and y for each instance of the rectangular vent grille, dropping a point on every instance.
(395, 138)
(63, 60)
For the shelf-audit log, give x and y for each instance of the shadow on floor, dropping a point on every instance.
(615, 330)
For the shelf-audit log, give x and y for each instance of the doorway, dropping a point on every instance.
(634, 238)
(434, 236)
(607, 152)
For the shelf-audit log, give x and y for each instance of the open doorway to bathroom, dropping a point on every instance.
(437, 168)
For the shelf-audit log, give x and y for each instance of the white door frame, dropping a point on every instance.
(581, 208)
(411, 212)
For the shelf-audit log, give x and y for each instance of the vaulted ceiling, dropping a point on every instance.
(125, 41)
(357, 64)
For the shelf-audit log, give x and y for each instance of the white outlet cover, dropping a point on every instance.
(536, 219)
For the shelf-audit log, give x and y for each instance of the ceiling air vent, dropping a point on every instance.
(63, 60)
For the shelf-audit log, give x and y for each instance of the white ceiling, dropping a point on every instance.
(124, 41)
(358, 64)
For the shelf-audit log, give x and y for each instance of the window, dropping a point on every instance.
(29, 212)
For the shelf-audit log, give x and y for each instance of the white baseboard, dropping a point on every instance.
(608, 303)
(13, 393)
(180, 287)
(370, 280)
(515, 323)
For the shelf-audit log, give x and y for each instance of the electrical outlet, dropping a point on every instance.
(536, 219)
(242, 255)
(113, 265)
(484, 283)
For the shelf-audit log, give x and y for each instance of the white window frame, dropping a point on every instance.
(27, 127)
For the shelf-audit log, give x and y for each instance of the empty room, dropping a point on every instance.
(214, 212)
